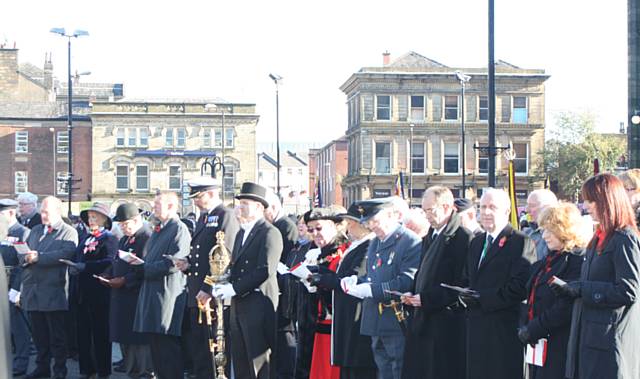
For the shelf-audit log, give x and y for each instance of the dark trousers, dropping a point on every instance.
(358, 373)
(285, 354)
(243, 364)
(388, 352)
(94, 346)
(21, 337)
(166, 356)
(48, 330)
(196, 336)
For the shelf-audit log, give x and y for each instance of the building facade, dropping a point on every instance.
(328, 170)
(405, 117)
(140, 147)
(294, 178)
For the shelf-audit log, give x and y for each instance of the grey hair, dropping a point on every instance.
(28, 197)
(501, 197)
(544, 197)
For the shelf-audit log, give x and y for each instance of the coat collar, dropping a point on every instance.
(243, 246)
(505, 234)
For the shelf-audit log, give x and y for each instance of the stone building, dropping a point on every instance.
(328, 167)
(294, 178)
(405, 116)
(142, 146)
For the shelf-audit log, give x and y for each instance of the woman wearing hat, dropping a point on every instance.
(95, 253)
(326, 227)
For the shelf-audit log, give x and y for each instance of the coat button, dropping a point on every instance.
(195, 273)
(196, 264)
(189, 274)
(597, 297)
(197, 246)
(241, 270)
(197, 255)
(246, 261)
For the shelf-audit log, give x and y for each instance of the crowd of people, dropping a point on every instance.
(376, 290)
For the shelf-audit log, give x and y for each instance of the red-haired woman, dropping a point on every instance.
(605, 327)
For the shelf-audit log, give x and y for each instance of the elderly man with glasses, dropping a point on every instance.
(28, 210)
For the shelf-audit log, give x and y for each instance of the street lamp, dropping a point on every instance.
(75, 34)
(53, 147)
(410, 162)
(463, 80)
(277, 79)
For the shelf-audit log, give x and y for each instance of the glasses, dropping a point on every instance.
(317, 229)
(630, 189)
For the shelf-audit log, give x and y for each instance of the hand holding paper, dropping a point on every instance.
(130, 258)
(282, 268)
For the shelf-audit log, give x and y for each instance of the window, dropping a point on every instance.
(133, 136)
(122, 178)
(120, 137)
(61, 183)
(175, 180)
(519, 110)
(168, 138)
(451, 107)
(483, 159)
(417, 108)
(451, 158)
(22, 142)
(417, 158)
(218, 138)
(383, 107)
(182, 134)
(483, 107)
(142, 178)
(206, 138)
(228, 141)
(144, 137)
(229, 182)
(520, 163)
(21, 182)
(62, 139)
(383, 157)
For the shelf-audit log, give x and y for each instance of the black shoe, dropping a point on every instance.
(118, 363)
(35, 374)
(119, 368)
(19, 372)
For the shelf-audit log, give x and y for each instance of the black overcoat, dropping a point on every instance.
(493, 348)
(289, 233)
(253, 308)
(125, 299)
(551, 314)
(97, 259)
(605, 326)
(436, 342)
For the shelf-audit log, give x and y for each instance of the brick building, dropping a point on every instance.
(405, 116)
(328, 166)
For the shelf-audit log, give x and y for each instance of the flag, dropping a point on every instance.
(596, 166)
(399, 186)
(547, 182)
(317, 199)
(512, 195)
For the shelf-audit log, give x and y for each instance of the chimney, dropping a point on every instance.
(8, 71)
(48, 72)
(386, 58)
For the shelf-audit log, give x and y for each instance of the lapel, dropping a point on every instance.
(200, 225)
(152, 253)
(495, 246)
(382, 245)
(49, 238)
(256, 228)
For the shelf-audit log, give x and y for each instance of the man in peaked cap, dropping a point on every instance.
(253, 287)
(392, 261)
(214, 217)
(19, 327)
(468, 217)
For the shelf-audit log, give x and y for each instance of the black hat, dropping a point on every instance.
(103, 209)
(202, 184)
(126, 211)
(333, 213)
(253, 191)
(352, 212)
(8, 204)
(369, 208)
(462, 204)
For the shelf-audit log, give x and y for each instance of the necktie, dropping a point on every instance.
(203, 218)
(49, 229)
(487, 245)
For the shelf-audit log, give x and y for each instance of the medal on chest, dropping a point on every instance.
(212, 222)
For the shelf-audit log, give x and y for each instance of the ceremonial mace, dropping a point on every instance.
(219, 258)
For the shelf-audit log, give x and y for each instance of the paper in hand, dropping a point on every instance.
(173, 258)
(130, 258)
(67, 262)
(282, 268)
(460, 290)
(300, 270)
(21, 248)
(100, 278)
(311, 257)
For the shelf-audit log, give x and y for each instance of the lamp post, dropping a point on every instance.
(463, 81)
(410, 163)
(277, 79)
(75, 34)
(53, 147)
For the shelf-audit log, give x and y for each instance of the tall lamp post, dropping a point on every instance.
(277, 79)
(463, 81)
(75, 34)
(410, 163)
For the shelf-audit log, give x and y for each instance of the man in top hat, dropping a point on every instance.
(214, 217)
(253, 287)
(44, 287)
(392, 261)
(20, 334)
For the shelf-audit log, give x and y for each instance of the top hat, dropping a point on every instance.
(253, 191)
(126, 211)
(103, 209)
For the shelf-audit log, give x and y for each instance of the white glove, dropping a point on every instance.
(361, 291)
(14, 296)
(223, 291)
(348, 282)
(308, 286)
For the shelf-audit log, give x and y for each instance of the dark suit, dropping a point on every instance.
(5, 347)
(45, 295)
(253, 308)
(162, 300)
(19, 325)
(286, 354)
(436, 341)
(31, 222)
(196, 334)
(493, 348)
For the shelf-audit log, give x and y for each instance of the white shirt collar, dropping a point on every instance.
(497, 232)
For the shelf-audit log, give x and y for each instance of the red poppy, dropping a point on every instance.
(502, 241)
(157, 228)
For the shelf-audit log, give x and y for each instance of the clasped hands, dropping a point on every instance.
(351, 287)
(223, 291)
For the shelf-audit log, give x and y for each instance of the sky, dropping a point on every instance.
(226, 49)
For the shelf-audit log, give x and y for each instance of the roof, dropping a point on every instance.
(415, 60)
(32, 109)
(286, 160)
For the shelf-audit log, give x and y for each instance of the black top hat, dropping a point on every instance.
(202, 184)
(8, 204)
(126, 211)
(369, 208)
(462, 204)
(253, 191)
(103, 209)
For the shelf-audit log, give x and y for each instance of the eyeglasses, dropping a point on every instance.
(317, 229)
(630, 189)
